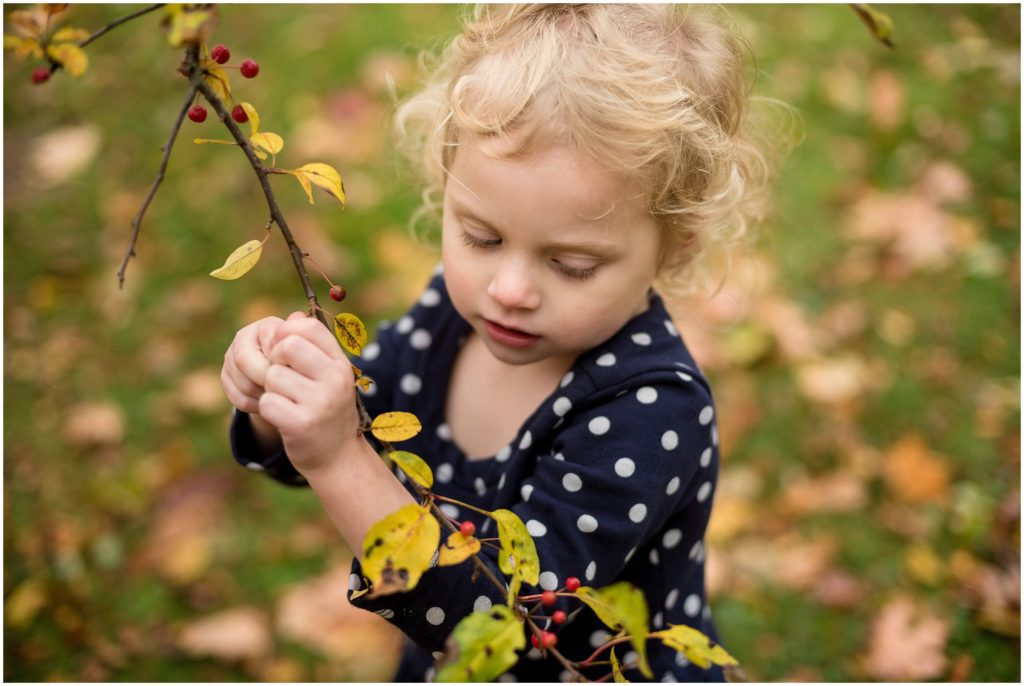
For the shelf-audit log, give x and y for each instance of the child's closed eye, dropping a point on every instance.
(574, 271)
(478, 242)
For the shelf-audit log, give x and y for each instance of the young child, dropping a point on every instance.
(581, 153)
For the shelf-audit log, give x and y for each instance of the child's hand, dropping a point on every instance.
(244, 373)
(310, 394)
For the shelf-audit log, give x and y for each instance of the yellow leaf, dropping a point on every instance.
(201, 141)
(70, 34)
(260, 154)
(364, 382)
(458, 548)
(217, 79)
(189, 25)
(414, 467)
(350, 332)
(622, 606)
(879, 23)
(327, 177)
(270, 142)
(240, 261)
(395, 426)
(518, 555)
(698, 648)
(71, 56)
(254, 118)
(22, 46)
(304, 182)
(482, 647)
(399, 548)
(24, 603)
(617, 674)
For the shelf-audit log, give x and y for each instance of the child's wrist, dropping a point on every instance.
(268, 439)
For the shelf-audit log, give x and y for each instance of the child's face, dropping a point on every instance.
(546, 255)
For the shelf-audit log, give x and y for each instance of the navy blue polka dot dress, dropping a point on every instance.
(613, 474)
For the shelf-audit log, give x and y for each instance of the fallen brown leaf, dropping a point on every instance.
(835, 380)
(913, 473)
(94, 424)
(841, 491)
(201, 391)
(906, 643)
(317, 614)
(236, 634)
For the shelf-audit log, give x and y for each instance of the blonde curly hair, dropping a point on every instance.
(652, 92)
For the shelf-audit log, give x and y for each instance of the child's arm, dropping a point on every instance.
(310, 397)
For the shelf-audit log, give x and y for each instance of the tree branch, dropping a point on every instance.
(118, 22)
(137, 221)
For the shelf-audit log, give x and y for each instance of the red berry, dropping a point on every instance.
(40, 75)
(239, 115)
(220, 54)
(558, 617)
(467, 528)
(249, 69)
(548, 639)
(548, 598)
(337, 292)
(571, 584)
(197, 113)
(535, 641)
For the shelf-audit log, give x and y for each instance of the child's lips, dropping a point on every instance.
(505, 335)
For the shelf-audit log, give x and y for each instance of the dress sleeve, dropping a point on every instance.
(608, 482)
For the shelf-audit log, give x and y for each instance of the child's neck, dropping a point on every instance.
(489, 400)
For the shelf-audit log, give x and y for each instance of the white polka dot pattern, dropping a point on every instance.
(420, 339)
(410, 384)
(606, 360)
(535, 528)
(572, 482)
(435, 616)
(625, 467)
(586, 523)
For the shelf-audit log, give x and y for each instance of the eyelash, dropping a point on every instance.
(577, 273)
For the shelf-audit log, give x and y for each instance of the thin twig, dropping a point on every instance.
(117, 22)
(137, 221)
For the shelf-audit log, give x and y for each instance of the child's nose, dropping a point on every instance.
(513, 288)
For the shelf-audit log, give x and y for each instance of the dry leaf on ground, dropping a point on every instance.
(841, 491)
(914, 473)
(906, 644)
(317, 614)
(94, 424)
(235, 634)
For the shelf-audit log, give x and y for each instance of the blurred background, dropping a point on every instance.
(865, 357)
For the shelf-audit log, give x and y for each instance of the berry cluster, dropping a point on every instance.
(197, 113)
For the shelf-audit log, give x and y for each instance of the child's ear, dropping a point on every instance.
(677, 250)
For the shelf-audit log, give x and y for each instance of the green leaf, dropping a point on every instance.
(325, 176)
(240, 261)
(698, 648)
(482, 647)
(457, 549)
(399, 548)
(414, 467)
(395, 426)
(518, 554)
(350, 332)
(622, 606)
(617, 674)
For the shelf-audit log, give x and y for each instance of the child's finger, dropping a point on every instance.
(312, 330)
(243, 401)
(286, 381)
(308, 358)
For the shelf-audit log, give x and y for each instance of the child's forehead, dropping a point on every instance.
(552, 174)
